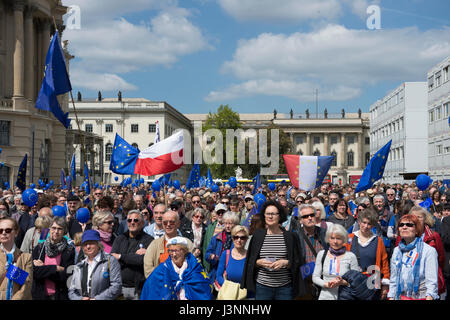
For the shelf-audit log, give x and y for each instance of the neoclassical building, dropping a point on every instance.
(26, 27)
(344, 135)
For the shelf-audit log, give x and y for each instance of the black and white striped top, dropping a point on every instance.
(274, 248)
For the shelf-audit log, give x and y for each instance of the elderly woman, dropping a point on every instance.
(231, 263)
(370, 250)
(103, 222)
(98, 276)
(431, 238)
(414, 264)
(39, 232)
(50, 261)
(196, 230)
(320, 217)
(11, 255)
(4, 208)
(332, 264)
(220, 242)
(272, 266)
(180, 277)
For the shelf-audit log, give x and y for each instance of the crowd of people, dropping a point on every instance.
(329, 244)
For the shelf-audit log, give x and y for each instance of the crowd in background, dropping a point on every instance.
(323, 244)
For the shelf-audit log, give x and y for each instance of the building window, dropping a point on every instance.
(333, 139)
(88, 127)
(134, 128)
(446, 109)
(367, 140)
(438, 113)
(431, 116)
(367, 158)
(5, 132)
(350, 157)
(439, 149)
(108, 127)
(316, 140)
(152, 128)
(298, 139)
(334, 162)
(447, 150)
(430, 83)
(437, 78)
(108, 151)
(4, 175)
(445, 74)
(350, 139)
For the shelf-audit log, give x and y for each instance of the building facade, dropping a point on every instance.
(344, 135)
(438, 121)
(26, 28)
(134, 119)
(401, 116)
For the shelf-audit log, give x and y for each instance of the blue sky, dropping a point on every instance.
(255, 55)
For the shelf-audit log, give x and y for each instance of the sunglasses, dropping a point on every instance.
(240, 238)
(110, 222)
(169, 222)
(282, 195)
(7, 230)
(195, 201)
(97, 194)
(306, 216)
(407, 224)
(225, 202)
(133, 220)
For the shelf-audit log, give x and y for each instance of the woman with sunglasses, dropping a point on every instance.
(414, 264)
(11, 255)
(196, 230)
(232, 261)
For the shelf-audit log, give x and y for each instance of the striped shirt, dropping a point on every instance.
(273, 248)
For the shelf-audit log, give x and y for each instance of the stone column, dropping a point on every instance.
(325, 144)
(29, 54)
(342, 165)
(308, 144)
(18, 89)
(45, 43)
(360, 150)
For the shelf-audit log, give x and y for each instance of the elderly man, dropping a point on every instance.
(196, 203)
(332, 199)
(312, 240)
(390, 195)
(139, 202)
(156, 229)
(129, 249)
(157, 252)
(385, 216)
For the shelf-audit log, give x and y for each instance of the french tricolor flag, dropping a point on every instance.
(307, 172)
(162, 157)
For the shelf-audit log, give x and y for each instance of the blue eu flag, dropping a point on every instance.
(167, 179)
(375, 169)
(73, 171)
(16, 274)
(323, 165)
(22, 174)
(56, 82)
(124, 157)
(87, 180)
(209, 180)
(257, 182)
(194, 177)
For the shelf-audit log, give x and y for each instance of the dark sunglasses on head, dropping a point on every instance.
(7, 230)
(408, 224)
(133, 220)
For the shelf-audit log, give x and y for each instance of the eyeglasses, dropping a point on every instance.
(7, 230)
(299, 201)
(133, 220)
(97, 194)
(243, 238)
(248, 200)
(198, 217)
(407, 224)
(195, 201)
(225, 202)
(174, 251)
(306, 216)
(110, 222)
(271, 214)
(169, 222)
(282, 195)
(390, 195)
(57, 229)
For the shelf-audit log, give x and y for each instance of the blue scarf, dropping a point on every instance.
(405, 248)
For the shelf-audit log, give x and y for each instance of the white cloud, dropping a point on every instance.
(338, 61)
(99, 81)
(112, 45)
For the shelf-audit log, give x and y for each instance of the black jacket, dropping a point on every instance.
(187, 232)
(294, 256)
(445, 237)
(49, 272)
(131, 263)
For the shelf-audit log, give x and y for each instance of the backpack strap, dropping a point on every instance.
(226, 262)
(323, 260)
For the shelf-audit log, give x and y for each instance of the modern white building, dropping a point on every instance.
(402, 116)
(438, 121)
(134, 119)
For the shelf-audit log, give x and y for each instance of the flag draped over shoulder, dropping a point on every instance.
(164, 283)
(22, 174)
(375, 169)
(307, 172)
(194, 177)
(248, 221)
(56, 82)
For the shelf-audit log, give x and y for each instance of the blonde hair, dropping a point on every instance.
(43, 222)
(100, 217)
(239, 228)
(77, 238)
(427, 217)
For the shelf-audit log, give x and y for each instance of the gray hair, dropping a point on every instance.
(135, 211)
(231, 216)
(338, 230)
(378, 196)
(319, 205)
(100, 218)
(200, 210)
(305, 206)
(364, 200)
(60, 221)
